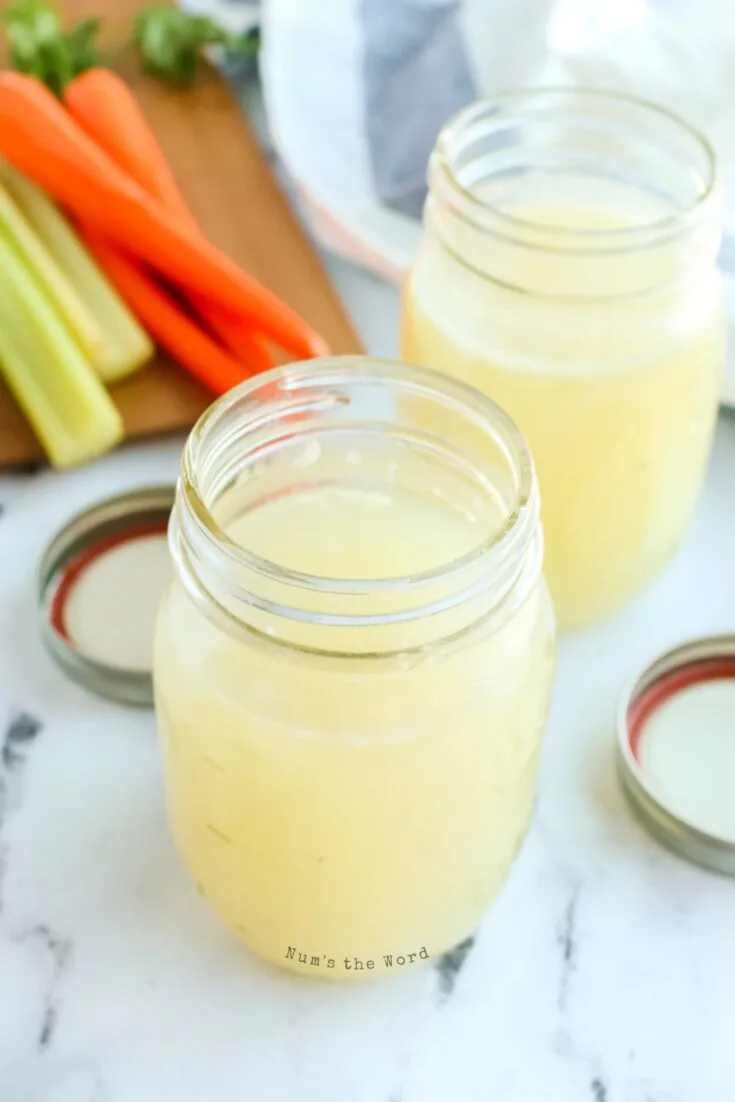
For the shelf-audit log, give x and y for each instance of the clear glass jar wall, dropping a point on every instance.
(568, 270)
(353, 664)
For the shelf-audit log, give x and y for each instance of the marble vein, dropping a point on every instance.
(59, 949)
(20, 732)
(450, 965)
(567, 939)
(599, 1090)
(20, 735)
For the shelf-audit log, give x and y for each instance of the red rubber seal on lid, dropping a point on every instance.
(76, 566)
(669, 684)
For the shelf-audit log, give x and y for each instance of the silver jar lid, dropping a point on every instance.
(676, 750)
(99, 584)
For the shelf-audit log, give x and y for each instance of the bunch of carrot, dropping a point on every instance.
(92, 150)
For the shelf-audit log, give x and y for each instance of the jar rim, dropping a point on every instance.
(676, 221)
(522, 517)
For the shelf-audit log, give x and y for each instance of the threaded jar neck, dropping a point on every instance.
(554, 191)
(383, 427)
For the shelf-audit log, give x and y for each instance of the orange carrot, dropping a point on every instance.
(42, 140)
(105, 108)
(165, 321)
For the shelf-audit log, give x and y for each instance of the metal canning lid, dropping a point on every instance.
(676, 750)
(99, 583)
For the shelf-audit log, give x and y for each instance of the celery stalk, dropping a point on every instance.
(47, 274)
(58, 390)
(125, 345)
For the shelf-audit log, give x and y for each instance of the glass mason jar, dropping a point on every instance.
(353, 664)
(568, 269)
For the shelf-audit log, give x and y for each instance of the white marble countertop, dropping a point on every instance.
(606, 973)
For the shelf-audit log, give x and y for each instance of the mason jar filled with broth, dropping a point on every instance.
(568, 270)
(353, 663)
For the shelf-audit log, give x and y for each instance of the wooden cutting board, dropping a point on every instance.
(230, 187)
